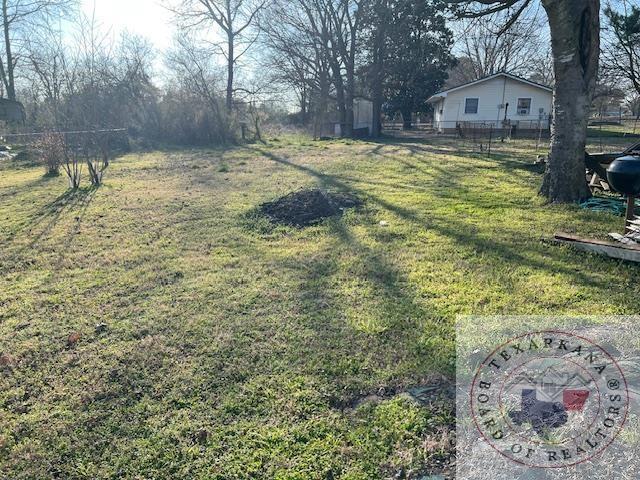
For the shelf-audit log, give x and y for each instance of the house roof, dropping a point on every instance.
(443, 94)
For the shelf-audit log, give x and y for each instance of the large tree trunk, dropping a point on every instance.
(340, 95)
(321, 104)
(9, 79)
(407, 120)
(377, 87)
(351, 85)
(377, 100)
(575, 38)
(348, 105)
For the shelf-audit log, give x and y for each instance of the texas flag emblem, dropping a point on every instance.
(544, 416)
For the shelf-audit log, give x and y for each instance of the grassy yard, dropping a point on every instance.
(158, 328)
(627, 128)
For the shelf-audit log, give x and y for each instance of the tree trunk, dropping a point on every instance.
(340, 96)
(10, 80)
(377, 100)
(230, 71)
(348, 105)
(321, 104)
(351, 86)
(407, 121)
(377, 87)
(575, 39)
(303, 108)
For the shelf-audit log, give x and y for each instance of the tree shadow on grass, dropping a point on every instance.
(12, 192)
(361, 326)
(542, 257)
(415, 146)
(437, 156)
(334, 181)
(50, 213)
(44, 220)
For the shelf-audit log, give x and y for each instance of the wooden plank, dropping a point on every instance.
(575, 238)
(625, 239)
(629, 253)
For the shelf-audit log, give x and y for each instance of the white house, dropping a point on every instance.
(498, 101)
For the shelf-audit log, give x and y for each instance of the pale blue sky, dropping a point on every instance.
(144, 17)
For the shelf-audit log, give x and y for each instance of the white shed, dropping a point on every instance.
(363, 114)
(495, 101)
(362, 118)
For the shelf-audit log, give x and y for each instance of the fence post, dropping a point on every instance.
(490, 139)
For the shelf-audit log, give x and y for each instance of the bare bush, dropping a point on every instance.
(72, 164)
(51, 150)
(97, 156)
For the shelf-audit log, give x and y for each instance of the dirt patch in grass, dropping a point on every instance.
(308, 207)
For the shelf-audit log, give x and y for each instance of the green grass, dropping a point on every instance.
(629, 129)
(228, 347)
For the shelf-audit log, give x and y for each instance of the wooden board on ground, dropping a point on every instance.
(625, 239)
(620, 251)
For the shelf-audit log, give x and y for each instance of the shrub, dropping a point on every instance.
(72, 166)
(98, 154)
(51, 148)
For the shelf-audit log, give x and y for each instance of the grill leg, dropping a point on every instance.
(631, 207)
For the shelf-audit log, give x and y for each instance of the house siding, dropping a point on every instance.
(437, 109)
(492, 93)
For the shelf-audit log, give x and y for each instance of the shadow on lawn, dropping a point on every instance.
(44, 220)
(367, 346)
(26, 187)
(520, 169)
(50, 213)
(499, 251)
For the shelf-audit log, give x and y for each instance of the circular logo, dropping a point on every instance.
(549, 399)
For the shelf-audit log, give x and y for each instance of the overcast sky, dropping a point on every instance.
(144, 17)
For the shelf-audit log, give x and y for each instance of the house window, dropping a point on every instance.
(471, 106)
(524, 106)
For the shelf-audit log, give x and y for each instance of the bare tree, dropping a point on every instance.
(20, 19)
(195, 71)
(72, 163)
(235, 19)
(346, 20)
(50, 147)
(608, 95)
(378, 19)
(542, 67)
(54, 68)
(622, 45)
(633, 104)
(79, 77)
(300, 43)
(318, 42)
(487, 52)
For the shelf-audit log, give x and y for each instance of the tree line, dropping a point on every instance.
(237, 61)
(71, 74)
